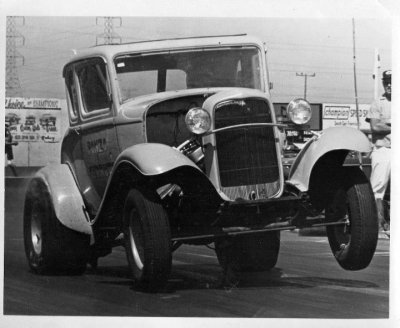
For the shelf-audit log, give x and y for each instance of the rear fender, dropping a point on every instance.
(66, 199)
(339, 140)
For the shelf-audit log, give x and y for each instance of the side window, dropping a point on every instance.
(93, 83)
(72, 94)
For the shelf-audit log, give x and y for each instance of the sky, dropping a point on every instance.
(321, 44)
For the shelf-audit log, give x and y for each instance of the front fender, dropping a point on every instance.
(336, 138)
(156, 165)
(153, 158)
(65, 196)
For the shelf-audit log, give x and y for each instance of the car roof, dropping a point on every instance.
(110, 50)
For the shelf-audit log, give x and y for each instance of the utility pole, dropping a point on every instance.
(360, 159)
(355, 74)
(13, 57)
(377, 66)
(109, 36)
(306, 75)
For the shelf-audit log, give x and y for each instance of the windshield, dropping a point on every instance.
(150, 73)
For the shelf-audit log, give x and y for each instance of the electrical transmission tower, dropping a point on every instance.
(13, 57)
(109, 36)
(305, 81)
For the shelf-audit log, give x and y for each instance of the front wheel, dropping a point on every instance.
(147, 239)
(353, 243)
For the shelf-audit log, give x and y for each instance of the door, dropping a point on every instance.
(97, 130)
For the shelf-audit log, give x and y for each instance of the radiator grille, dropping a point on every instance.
(247, 157)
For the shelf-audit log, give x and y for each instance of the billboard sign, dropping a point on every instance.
(344, 115)
(34, 119)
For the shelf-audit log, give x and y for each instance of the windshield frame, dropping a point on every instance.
(260, 53)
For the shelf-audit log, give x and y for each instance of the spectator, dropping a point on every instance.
(8, 149)
(379, 117)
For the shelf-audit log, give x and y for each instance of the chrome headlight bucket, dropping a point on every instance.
(299, 111)
(198, 121)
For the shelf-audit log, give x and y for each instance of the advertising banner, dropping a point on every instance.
(34, 119)
(345, 115)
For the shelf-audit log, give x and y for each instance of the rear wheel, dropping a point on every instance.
(147, 239)
(249, 253)
(353, 244)
(50, 247)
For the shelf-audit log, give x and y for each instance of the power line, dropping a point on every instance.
(325, 72)
(287, 65)
(55, 31)
(305, 46)
(325, 90)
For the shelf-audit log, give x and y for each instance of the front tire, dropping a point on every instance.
(147, 239)
(50, 247)
(354, 243)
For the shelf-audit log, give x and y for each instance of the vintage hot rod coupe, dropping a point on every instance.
(175, 142)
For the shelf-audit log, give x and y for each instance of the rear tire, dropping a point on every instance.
(147, 239)
(353, 244)
(249, 253)
(50, 247)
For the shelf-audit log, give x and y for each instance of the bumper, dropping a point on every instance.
(256, 212)
(259, 216)
(244, 217)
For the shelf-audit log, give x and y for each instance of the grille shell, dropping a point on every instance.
(247, 157)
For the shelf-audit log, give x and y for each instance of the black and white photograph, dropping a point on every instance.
(200, 163)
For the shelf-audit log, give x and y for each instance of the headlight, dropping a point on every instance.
(299, 111)
(198, 120)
